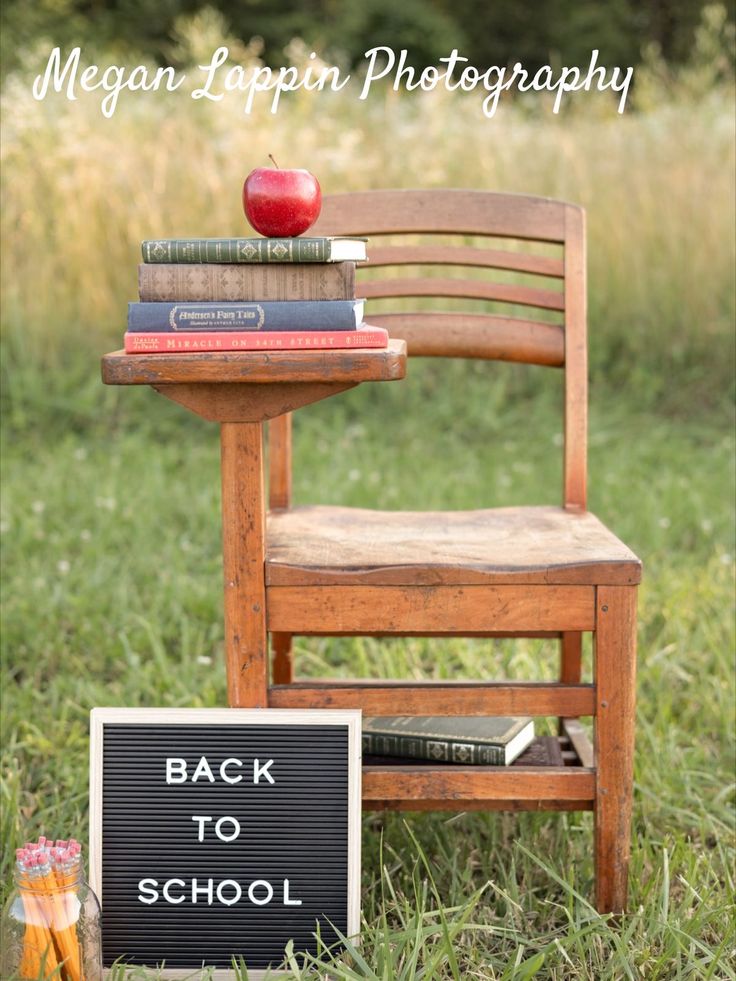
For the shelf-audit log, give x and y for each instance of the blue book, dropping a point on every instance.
(269, 315)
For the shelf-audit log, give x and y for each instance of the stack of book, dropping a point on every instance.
(246, 294)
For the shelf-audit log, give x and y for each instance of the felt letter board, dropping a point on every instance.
(223, 832)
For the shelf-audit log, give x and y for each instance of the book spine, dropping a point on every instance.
(237, 250)
(270, 315)
(293, 340)
(212, 282)
(439, 750)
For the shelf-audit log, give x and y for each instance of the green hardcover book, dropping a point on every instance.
(325, 249)
(481, 739)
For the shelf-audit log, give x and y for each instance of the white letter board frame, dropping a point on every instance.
(348, 718)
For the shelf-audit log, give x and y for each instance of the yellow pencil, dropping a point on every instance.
(39, 956)
(66, 874)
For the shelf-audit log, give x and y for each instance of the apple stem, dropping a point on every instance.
(270, 157)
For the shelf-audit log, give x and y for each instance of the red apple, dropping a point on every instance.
(281, 203)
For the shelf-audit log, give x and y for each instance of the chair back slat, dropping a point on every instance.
(477, 335)
(438, 211)
(471, 289)
(464, 255)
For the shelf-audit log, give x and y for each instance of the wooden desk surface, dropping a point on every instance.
(350, 366)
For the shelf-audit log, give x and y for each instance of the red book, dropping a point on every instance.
(253, 340)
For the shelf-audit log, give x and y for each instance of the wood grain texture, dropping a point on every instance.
(351, 366)
(243, 402)
(327, 610)
(576, 362)
(463, 255)
(487, 337)
(437, 698)
(279, 496)
(279, 462)
(571, 661)
(497, 634)
(470, 289)
(351, 546)
(282, 666)
(243, 549)
(573, 729)
(571, 656)
(456, 212)
(428, 804)
(615, 679)
(456, 783)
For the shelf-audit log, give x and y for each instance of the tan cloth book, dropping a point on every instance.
(160, 282)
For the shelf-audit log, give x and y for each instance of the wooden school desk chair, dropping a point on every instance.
(527, 571)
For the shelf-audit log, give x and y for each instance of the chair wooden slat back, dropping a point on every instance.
(466, 255)
(471, 289)
(476, 335)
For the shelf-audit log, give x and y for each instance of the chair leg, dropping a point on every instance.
(571, 657)
(243, 550)
(283, 662)
(615, 680)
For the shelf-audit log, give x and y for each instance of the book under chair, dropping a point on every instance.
(547, 571)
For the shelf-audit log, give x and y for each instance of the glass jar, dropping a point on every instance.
(52, 930)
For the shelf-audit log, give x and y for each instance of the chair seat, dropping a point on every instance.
(352, 546)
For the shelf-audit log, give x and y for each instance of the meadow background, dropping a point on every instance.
(110, 505)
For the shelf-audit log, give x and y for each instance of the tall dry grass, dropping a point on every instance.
(81, 191)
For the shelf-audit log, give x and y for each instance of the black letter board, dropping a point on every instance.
(223, 832)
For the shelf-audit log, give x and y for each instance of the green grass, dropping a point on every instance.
(110, 531)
